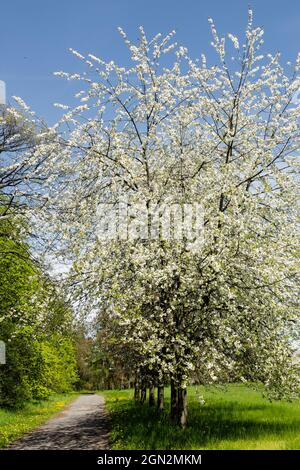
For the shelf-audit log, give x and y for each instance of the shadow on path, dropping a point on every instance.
(82, 425)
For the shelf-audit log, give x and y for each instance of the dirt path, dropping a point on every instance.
(81, 425)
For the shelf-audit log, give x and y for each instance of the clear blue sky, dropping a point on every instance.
(35, 35)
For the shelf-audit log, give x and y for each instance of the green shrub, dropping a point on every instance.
(22, 370)
(40, 392)
(59, 364)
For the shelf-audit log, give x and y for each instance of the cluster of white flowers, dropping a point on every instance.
(190, 133)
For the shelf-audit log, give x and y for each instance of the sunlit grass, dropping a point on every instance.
(15, 423)
(235, 417)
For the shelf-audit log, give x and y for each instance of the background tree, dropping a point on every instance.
(36, 323)
(23, 169)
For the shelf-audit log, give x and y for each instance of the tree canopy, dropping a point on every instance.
(169, 130)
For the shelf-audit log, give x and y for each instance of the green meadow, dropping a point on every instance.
(233, 417)
(15, 423)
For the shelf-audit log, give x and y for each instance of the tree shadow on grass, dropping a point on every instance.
(144, 428)
(232, 422)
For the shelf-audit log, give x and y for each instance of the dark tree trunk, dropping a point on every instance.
(160, 398)
(143, 395)
(182, 412)
(136, 391)
(174, 401)
(151, 396)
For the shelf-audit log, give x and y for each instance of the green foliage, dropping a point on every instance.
(22, 371)
(235, 417)
(102, 366)
(40, 392)
(59, 364)
(35, 324)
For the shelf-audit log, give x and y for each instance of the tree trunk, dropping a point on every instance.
(143, 395)
(160, 398)
(174, 401)
(151, 395)
(182, 412)
(136, 391)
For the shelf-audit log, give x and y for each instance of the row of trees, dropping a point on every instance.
(161, 132)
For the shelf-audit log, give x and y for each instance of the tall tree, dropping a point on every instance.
(224, 137)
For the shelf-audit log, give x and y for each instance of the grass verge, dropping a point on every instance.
(235, 417)
(15, 423)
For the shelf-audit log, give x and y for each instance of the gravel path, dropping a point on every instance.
(81, 425)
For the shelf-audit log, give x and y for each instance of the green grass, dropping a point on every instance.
(15, 423)
(235, 417)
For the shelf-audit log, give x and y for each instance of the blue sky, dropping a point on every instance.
(35, 35)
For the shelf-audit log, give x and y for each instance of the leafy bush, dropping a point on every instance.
(35, 324)
(59, 364)
(22, 370)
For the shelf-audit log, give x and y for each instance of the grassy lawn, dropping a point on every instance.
(14, 424)
(233, 418)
